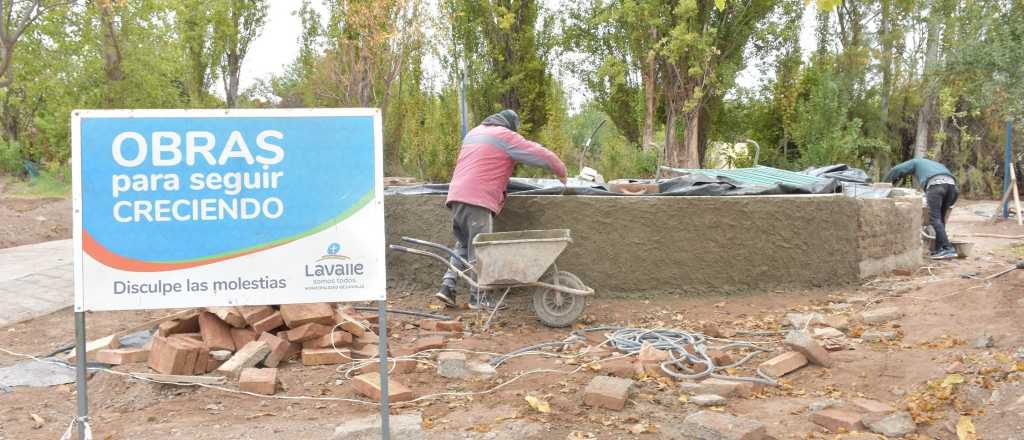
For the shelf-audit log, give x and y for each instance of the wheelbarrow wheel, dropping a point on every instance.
(558, 309)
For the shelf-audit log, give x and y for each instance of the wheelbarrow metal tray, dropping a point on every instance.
(519, 257)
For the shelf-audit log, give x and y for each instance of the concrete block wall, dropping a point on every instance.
(681, 245)
(889, 234)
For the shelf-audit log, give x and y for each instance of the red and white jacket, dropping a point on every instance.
(487, 158)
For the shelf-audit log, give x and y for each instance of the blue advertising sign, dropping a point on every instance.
(186, 208)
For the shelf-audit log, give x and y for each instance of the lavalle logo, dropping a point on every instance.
(324, 268)
(332, 253)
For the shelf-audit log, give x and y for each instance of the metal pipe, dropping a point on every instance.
(757, 151)
(1007, 163)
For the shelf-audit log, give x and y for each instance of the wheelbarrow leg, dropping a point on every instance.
(496, 308)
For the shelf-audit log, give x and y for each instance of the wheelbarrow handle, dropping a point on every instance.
(460, 272)
(439, 247)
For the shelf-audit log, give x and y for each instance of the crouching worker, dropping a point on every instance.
(488, 155)
(940, 191)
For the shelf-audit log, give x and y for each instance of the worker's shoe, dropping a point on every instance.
(447, 296)
(480, 301)
(944, 254)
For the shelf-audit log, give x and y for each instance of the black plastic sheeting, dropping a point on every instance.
(689, 185)
(841, 172)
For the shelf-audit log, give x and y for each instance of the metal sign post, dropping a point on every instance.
(385, 407)
(80, 377)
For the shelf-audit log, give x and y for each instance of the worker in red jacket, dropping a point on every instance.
(476, 194)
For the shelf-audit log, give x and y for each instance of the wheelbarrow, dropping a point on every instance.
(507, 260)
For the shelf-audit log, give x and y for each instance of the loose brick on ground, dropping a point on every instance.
(246, 357)
(369, 385)
(429, 343)
(185, 324)
(807, 346)
(726, 388)
(621, 367)
(191, 336)
(121, 356)
(202, 365)
(872, 406)
(254, 314)
(258, 380)
(837, 420)
(452, 365)
(307, 332)
(202, 362)
(450, 326)
(783, 364)
(326, 356)
(708, 400)
(216, 333)
(350, 321)
(827, 333)
(295, 315)
(607, 392)
(713, 425)
(268, 324)
(279, 349)
(369, 351)
(229, 315)
(880, 316)
(720, 358)
(368, 338)
(172, 357)
(242, 336)
(339, 338)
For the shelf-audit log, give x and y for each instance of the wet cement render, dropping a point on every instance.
(687, 245)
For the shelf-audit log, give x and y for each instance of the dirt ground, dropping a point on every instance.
(28, 220)
(943, 314)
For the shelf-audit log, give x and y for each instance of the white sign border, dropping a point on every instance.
(76, 161)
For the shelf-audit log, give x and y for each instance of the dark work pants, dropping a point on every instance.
(467, 222)
(940, 200)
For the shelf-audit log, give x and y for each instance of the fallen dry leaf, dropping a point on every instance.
(965, 429)
(952, 379)
(538, 404)
(580, 435)
(38, 422)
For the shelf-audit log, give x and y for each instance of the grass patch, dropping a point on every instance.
(46, 184)
(1017, 250)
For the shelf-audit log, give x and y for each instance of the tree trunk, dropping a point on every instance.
(691, 140)
(672, 155)
(928, 108)
(650, 99)
(886, 58)
(234, 70)
(111, 45)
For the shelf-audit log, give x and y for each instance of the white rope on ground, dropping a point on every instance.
(621, 340)
(306, 398)
(86, 431)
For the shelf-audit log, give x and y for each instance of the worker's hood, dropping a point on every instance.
(505, 118)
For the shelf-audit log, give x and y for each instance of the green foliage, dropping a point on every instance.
(504, 50)
(825, 131)
(858, 98)
(10, 158)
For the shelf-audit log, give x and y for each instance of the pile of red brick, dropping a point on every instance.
(234, 341)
